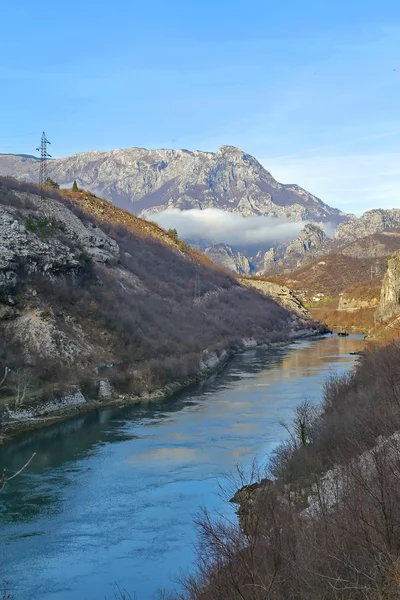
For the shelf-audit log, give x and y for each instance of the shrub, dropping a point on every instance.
(38, 225)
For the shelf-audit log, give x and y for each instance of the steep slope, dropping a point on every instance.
(309, 244)
(227, 257)
(95, 297)
(146, 181)
(389, 302)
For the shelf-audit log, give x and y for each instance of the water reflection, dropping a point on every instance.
(112, 493)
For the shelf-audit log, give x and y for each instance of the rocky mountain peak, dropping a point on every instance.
(148, 181)
(310, 238)
(371, 222)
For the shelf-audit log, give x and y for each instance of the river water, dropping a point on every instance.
(110, 496)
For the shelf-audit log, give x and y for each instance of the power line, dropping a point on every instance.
(44, 155)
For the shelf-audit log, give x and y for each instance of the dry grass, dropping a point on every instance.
(362, 319)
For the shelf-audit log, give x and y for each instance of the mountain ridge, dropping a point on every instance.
(147, 181)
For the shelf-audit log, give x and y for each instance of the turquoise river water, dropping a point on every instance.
(111, 495)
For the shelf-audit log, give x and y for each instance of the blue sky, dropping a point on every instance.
(311, 88)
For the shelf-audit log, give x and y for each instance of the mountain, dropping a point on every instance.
(311, 242)
(227, 257)
(361, 261)
(372, 221)
(146, 181)
(96, 302)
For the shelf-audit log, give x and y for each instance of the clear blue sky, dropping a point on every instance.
(311, 88)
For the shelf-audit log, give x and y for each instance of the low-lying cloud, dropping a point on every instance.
(215, 225)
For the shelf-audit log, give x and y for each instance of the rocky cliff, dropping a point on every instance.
(309, 239)
(228, 258)
(282, 294)
(146, 181)
(389, 302)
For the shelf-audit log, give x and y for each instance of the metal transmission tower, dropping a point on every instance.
(44, 155)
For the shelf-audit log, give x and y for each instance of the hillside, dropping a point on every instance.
(145, 181)
(352, 264)
(94, 297)
(348, 279)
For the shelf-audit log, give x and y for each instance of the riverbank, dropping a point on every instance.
(74, 402)
(112, 492)
(331, 493)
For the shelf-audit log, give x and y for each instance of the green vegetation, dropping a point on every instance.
(75, 187)
(52, 184)
(173, 234)
(326, 301)
(38, 225)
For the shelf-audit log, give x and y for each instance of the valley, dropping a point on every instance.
(138, 368)
(98, 305)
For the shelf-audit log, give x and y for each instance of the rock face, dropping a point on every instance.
(266, 261)
(147, 181)
(371, 222)
(282, 294)
(309, 239)
(348, 303)
(224, 256)
(309, 244)
(24, 253)
(389, 303)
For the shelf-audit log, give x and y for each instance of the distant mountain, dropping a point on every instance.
(362, 261)
(225, 256)
(147, 181)
(21, 155)
(371, 222)
(311, 242)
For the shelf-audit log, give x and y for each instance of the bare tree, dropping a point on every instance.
(22, 384)
(2, 381)
(4, 479)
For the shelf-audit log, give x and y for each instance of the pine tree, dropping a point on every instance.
(75, 187)
(51, 183)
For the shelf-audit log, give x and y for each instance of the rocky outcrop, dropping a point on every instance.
(224, 256)
(46, 238)
(266, 261)
(147, 181)
(348, 303)
(371, 222)
(309, 239)
(282, 294)
(389, 303)
(311, 243)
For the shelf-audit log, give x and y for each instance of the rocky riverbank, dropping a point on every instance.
(55, 406)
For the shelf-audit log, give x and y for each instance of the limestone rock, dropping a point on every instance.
(389, 303)
(282, 294)
(147, 181)
(225, 256)
(372, 221)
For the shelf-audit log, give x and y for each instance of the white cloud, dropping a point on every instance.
(217, 225)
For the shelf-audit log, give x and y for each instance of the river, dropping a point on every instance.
(110, 496)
